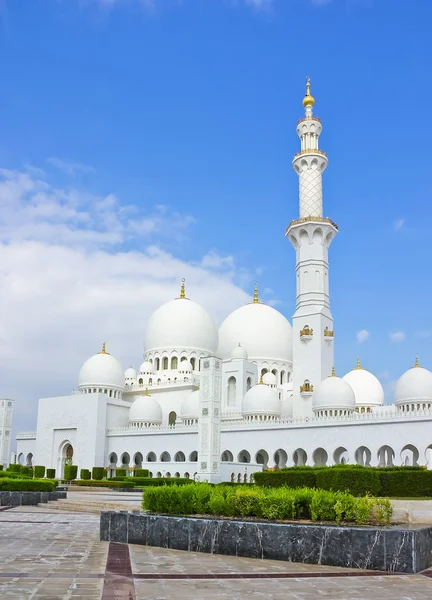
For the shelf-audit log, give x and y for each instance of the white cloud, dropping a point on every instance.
(362, 335)
(399, 224)
(70, 281)
(397, 337)
(69, 167)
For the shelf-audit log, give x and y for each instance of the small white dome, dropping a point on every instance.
(130, 374)
(145, 409)
(190, 406)
(185, 365)
(181, 323)
(102, 370)
(333, 393)
(147, 367)
(415, 385)
(367, 389)
(264, 331)
(239, 352)
(269, 378)
(261, 400)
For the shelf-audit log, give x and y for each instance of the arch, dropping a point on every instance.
(385, 456)
(193, 457)
(262, 458)
(227, 456)
(165, 363)
(280, 458)
(179, 456)
(288, 377)
(275, 373)
(282, 377)
(177, 474)
(187, 476)
(244, 457)
(340, 456)
(157, 364)
(320, 457)
(231, 391)
(248, 383)
(172, 418)
(29, 459)
(193, 363)
(151, 457)
(20, 459)
(362, 456)
(168, 475)
(239, 478)
(174, 363)
(125, 459)
(113, 458)
(409, 456)
(264, 370)
(165, 457)
(138, 459)
(300, 457)
(158, 474)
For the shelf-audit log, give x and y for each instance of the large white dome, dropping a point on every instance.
(145, 409)
(264, 331)
(102, 371)
(367, 389)
(190, 406)
(333, 393)
(415, 385)
(181, 324)
(261, 400)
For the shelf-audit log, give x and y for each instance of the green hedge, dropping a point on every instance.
(20, 469)
(158, 481)
(121, 473)
(141, 473)
(1, 467)
(50, 473)
(85, 474)
(105, 483)
(98, 473)
(293, 478)
(12, 475)
(274, 504)
(39, 472)
(70, 472)
(408, 483)
(26, 485)
(355, 481)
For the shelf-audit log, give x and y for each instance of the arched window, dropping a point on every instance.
(193, 457)
(248, 384)
(179, 456)
(165, 363)
(282, 377)
(165, 457)
(172, 418)
(157, 364)
(288, 377)
(113, 458)
(151, 457)
(193, 363)
(231, 392)
(174, 362)
(263, 372)
(183, 358)
(275, 373)
(140, 381)
(150, 381)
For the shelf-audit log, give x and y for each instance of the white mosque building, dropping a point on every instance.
(219, 404)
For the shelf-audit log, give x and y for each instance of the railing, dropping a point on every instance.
(313, 118)
(312, 220)
(310, 151)
(26, 435)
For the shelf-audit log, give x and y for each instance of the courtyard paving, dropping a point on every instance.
(52, 554)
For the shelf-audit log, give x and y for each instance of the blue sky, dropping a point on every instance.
(161, 134)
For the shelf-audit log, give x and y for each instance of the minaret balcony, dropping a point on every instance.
(328, 335)
(309, 118)
(307, 388)
(306, 333)
(310, 151)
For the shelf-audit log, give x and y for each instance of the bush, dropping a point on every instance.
(294, 477)
(1, 467)
(18, 469)
(121, 473)
(410, 483)
(85, 474)
(26, 485)
(12, 475)
(98, 473)
(274, 503)
(141, 473)
(158, 481)
(70, 472)
(39, 472)
(105, 483)
(50, 473)
(357, 482)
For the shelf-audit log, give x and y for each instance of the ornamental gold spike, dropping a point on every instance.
(358, 365)
(333, 374)
(416, 362)
(182, 289)
(103, 351)
(146, 393)
(308, 100)
(255, 296)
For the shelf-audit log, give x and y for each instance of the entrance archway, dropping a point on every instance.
(66, 457)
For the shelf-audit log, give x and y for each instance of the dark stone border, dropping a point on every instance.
(393, 549)
(29, 498)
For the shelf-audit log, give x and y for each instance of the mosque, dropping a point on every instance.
(257, 393)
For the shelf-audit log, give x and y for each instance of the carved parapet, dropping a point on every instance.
(306, 333)
(328, 334)
(307, 387)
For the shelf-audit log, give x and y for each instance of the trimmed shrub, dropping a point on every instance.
(294, 478)
(14, 475)
(85, 474)
(410, 483)
(120, 473)
(14, 468)
(39, 472)
(98, 473)
(141, 473)
(70, 472)
(50, 473)
(104, 483)
(280, 503)
(1, 467)
(357, 482)
(26, 485)
(158, 481)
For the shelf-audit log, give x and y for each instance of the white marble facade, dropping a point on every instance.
(220, 404)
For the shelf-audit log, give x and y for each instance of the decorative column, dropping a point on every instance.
(311, 236)
(209, 423)
(6, 413)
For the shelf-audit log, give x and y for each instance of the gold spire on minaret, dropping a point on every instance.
(358, 365)
(182, 289)
(416, 362)
(308, 100)
(103, 351)
(255, 296)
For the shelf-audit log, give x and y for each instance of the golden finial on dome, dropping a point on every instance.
(103, 351)
(255, 296)
(416, 362)
(261, 379)
(333, 374)
(358, 365)
(146, 393)
(308, 100)
(182, 289)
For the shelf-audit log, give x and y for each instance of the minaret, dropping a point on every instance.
(311, 236)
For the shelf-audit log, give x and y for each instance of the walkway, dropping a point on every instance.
(51, 555)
